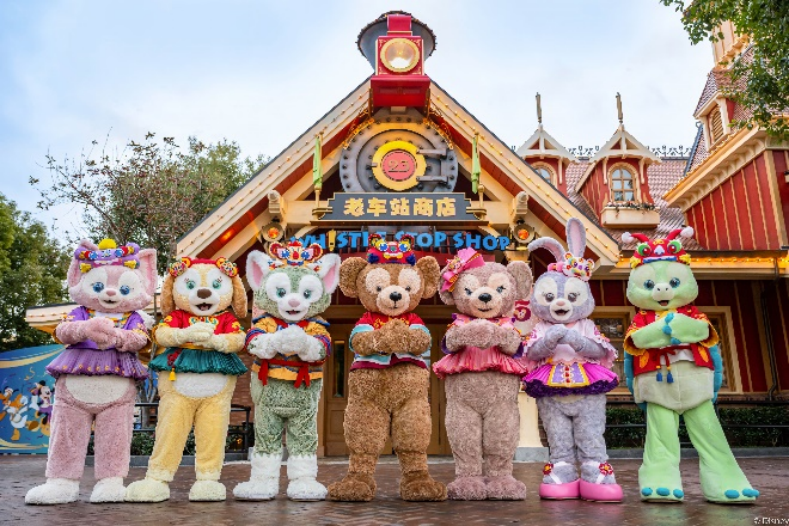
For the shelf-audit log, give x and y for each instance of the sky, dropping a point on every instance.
(261, 72)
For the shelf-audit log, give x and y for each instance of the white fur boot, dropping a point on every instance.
(110, 489)
(263, 483)
(207, 490)
(148, 490)
(302, 471)
(55, 491)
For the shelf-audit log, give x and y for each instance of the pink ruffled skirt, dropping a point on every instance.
(474, 359)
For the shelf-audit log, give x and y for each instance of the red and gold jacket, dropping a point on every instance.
(647, 360)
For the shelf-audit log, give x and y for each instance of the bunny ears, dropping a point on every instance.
(570, 263)
(668, 249)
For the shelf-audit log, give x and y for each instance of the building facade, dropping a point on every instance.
(400, 154)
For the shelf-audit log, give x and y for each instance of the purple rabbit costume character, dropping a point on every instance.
(569, 365)
(96, 374)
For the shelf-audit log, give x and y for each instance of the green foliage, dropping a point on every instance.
(762, 83)
(32, 272)
(765, 435)
(142, 442)
(625, 437)
(152, 193)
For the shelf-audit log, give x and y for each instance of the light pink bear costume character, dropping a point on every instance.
(97, 372)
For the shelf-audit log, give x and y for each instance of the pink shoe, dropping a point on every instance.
(600, 492)
(568, 491)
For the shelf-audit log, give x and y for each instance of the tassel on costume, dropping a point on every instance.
(659, 376)
(172, 374)
(669, 378)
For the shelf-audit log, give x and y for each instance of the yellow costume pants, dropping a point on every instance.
(210, 417)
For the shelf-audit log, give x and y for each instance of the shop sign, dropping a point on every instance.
(425, 240)
(379, 208)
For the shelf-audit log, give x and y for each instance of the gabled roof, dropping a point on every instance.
(290, 164)
(622, 144)
(542, 144)
(292, 167)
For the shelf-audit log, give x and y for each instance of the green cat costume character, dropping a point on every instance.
(673, 367)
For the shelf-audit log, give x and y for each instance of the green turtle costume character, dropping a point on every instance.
(674, 368)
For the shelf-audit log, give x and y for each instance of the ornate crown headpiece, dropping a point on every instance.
(228, 268)
(668, 249)
(295, 254)
(382, 251)
(108, 253)
(574, 267)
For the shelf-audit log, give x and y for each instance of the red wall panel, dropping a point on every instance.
(780, 158)
(746, 228)
(754, 202)
(773, 240)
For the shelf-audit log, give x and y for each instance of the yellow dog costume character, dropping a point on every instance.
(198, 372)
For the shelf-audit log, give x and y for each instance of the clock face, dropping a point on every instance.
(399, 55)
(398, 165)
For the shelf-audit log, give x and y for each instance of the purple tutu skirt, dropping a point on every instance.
(567, 379)
(96, 363)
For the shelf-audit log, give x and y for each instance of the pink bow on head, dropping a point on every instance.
(465, 259)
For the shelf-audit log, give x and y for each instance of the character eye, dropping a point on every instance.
(500, 289)
(98, 286)
(281, 292)
(377, 289)
(403, 247)
(643, 250)
(649, 284)
(549, 296)
(674, 246)
(125, 290)
(190, 284)
(572, 297)
(307, 294)
(468, 292)
(217, 283)
(408, 288)
(674, 282)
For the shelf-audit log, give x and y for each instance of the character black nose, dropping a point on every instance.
(485, 297)
(395, 296)
(203, 293)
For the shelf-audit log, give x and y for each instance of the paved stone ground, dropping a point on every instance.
(18, 473)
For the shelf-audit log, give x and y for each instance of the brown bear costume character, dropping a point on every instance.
(482, 374)
(388, 383)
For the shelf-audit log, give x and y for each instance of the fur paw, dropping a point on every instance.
(467, 488)
(291, 340)
(354, 487)
(312, 351)
(261, 347)
(418, 486)
(257, 489)
(306, 489)
(207, 491)
(147, 490)
(110, 489)
(505, 488)
(55, 491)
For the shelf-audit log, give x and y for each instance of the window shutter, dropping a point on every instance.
(716, 125)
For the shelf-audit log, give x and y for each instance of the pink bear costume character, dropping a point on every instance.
(96, 374)
(569, 373)
(482, 374)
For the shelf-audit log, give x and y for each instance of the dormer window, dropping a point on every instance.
(544, 171)
(715, 125)
(623, 184)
